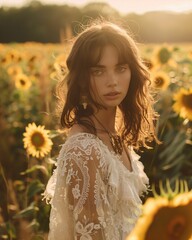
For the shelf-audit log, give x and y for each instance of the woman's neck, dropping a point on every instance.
(105, 119)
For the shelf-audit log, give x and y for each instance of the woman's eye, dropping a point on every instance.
(121, 69)
(97, 72)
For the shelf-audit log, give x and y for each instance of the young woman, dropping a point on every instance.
(95, 190)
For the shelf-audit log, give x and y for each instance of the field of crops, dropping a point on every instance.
(30, 139)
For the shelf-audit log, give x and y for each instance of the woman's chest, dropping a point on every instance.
(125, 158)
(120, 176)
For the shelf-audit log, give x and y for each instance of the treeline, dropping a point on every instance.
(53, 23)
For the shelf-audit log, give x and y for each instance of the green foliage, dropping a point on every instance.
(23, 179)
(30, 211)
(7, 231)
(168, 192)
(34, 188)
(164, 55)
(35, 168)
(172, 158)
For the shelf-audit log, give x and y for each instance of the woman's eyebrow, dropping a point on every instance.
(121, 63)
(103, 66)
(98, 66)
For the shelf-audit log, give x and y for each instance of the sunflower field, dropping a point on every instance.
(30, 136)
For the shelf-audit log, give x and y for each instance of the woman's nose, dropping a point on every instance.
(112, 80)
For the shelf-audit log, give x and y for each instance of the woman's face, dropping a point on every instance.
(109, 79)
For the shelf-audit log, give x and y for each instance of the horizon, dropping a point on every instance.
(122, 6)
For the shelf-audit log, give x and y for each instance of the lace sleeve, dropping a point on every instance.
(80, 207)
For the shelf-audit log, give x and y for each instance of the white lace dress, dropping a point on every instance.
(92, 194)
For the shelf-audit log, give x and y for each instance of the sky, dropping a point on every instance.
(123, 6)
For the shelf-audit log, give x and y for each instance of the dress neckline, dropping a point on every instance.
(107, 148)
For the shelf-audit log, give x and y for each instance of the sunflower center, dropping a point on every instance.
(22, 81)
(159, 81)
(12, 56)
(3, 60)
(37, 139)
(148, 64)
(176, 227)
(187, 101)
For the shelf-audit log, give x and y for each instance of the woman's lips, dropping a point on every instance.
(112, 94)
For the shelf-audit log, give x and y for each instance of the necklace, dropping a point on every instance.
(115, 139)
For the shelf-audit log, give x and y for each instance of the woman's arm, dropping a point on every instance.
(80, 205)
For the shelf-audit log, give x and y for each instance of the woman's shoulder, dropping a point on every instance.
(79, 138)
(82, 146)
(78, 133)
(75, 129)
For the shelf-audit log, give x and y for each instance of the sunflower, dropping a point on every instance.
(33, 58)
(150, 64)
(37, 141)
(54, 75)
(5, 60)
(61, 59)
(59, 71)
(14, 70)
(163, 55)
(22, 81)
(60, 68)
(15, 56)
(163, 218)
(160, 80)
(183, 103)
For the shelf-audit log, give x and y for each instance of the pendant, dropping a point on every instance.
(116, 143)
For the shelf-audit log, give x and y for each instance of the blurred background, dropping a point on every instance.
(45, 21)
(35, 38)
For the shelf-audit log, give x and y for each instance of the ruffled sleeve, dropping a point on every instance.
(142, 183)
(78, 194)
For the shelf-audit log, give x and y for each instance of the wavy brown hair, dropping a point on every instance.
(137, 111)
